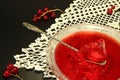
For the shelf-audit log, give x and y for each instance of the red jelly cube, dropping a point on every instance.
(94, 51)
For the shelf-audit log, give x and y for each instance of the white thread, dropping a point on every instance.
(80, 11)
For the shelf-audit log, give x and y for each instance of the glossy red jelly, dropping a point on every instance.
(93, 46)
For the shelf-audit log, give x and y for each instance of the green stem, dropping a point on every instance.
(17, 76)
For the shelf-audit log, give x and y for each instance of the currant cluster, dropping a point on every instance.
(45, 14)
(110, 10)
(11, 70)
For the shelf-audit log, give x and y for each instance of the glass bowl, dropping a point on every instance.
(68, 31)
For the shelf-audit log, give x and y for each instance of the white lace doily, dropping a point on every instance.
(80, 11)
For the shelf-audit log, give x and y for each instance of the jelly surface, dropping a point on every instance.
(93, 46)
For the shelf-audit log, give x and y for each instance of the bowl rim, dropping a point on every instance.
(59, 74)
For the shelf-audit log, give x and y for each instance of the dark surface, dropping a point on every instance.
(13, 36)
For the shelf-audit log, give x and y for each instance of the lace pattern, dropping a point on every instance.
(80, 11)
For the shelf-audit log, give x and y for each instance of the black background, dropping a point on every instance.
(13, 36)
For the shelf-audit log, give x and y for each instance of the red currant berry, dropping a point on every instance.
(45, 17)
(35, 15)
(34, 19)
(53, 15)
(10, 66)
(50, 13)
(113, 6)
(38, 18)
(46, 9)
(39, 12)
(14, 70)
(109, 11)
(6, 74)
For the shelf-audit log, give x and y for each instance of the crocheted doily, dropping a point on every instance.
(80, 11)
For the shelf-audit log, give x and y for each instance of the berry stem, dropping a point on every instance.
(17, 76)
(53, 10)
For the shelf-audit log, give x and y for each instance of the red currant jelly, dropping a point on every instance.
(88, 42)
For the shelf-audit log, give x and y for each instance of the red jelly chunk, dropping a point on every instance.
(94, 51)
(93, 46)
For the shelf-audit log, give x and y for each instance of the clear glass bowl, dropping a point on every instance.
(71, 29)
